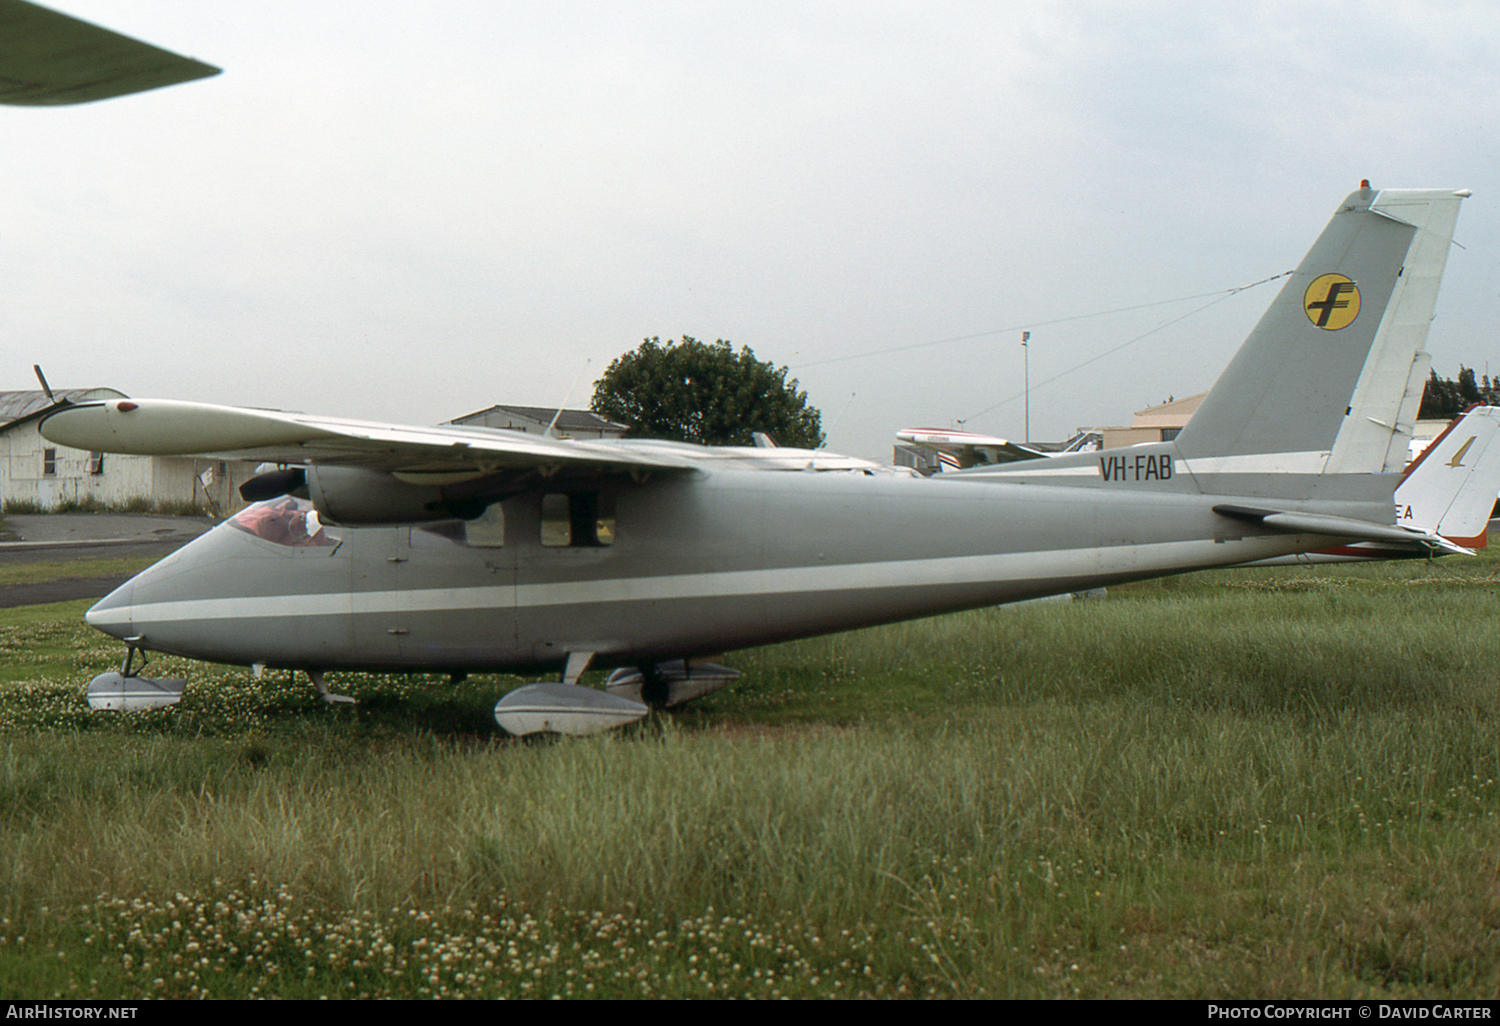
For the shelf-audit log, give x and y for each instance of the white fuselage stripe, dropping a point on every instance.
(894, 574)
(1306, 462)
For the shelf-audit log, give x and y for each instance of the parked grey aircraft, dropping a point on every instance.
(463, 549)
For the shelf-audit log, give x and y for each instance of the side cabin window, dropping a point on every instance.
(488, 531)
(485, 532)
(577, 520)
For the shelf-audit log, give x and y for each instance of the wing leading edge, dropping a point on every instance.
(164, 427)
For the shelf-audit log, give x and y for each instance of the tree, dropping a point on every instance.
(1445, 398)
(691, 391)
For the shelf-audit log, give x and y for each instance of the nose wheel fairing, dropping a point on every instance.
(124, 691)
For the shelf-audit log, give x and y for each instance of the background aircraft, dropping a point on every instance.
(959, 450)
(459, 549)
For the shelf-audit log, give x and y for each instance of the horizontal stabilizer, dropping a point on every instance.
(1292, 522)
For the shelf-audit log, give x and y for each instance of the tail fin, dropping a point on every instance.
(1450, 488)
(1326, 380)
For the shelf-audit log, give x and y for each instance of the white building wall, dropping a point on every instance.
(111, 479)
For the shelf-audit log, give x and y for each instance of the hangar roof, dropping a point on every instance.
(19, 406)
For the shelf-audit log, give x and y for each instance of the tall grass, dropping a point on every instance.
(1271, 783)
(94, 504)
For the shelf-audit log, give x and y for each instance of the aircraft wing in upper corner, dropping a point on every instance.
(48, 58)
(164, 427)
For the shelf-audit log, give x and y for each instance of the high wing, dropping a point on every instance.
(48, 58)
(165, 427)
(444, 454)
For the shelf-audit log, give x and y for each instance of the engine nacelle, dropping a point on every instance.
(359, 498)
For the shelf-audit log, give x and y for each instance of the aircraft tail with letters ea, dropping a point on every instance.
(1448, 492)
(1450, 488)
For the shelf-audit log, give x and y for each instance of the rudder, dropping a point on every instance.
(1323, 381)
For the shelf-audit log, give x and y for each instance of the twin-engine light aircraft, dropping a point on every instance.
(463, 549)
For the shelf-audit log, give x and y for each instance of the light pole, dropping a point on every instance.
(1025, 338)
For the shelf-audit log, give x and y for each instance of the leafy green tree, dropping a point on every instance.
(691, 391)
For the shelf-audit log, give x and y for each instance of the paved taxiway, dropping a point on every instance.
(69, 537)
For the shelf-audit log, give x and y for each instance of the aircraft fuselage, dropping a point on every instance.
(670, 568)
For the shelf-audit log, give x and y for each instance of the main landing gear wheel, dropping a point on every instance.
(566, 707)
(670, 683)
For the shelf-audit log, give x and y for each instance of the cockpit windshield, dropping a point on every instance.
(285, 521)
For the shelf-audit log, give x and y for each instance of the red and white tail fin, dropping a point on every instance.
(1450, 488)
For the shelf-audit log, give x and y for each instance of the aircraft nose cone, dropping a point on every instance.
(112, 613)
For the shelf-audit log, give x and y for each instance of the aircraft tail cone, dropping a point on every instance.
(115, 692)
(565, 709)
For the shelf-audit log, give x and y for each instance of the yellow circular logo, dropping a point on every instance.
(1331, 302)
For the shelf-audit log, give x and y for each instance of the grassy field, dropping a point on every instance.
(1267, 783)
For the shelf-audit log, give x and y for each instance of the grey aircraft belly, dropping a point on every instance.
(462, 549)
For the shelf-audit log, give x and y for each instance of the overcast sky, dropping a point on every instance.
(410, 211)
